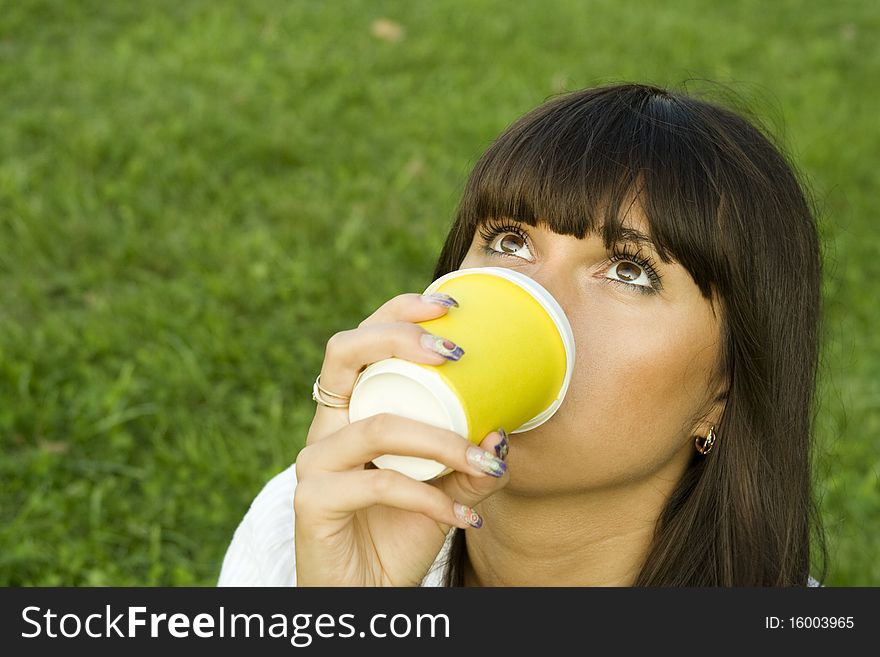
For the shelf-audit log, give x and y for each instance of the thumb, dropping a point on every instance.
(469, 489)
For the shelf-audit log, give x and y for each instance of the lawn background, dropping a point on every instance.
(195, 195)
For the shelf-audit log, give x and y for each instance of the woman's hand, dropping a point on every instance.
(373, 527)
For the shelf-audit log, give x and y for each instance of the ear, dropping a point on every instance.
(712, 417)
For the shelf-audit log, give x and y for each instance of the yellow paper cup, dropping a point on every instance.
(519, 356)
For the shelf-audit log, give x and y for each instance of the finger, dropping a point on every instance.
(340, 380)
(469, 489)
(361, 441)
(348, 352)
(497, 442)
(335, 496)
(411, 307)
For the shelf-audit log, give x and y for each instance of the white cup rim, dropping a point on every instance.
(557, 314)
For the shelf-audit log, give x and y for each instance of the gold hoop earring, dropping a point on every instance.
(705, 446)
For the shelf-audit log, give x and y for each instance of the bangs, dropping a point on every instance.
(578, 163)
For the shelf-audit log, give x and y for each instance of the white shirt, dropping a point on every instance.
(261, 552)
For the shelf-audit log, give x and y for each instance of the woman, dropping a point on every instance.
(680, 244)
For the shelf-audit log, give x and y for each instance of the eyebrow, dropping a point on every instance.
(632, 235)
(629, 234)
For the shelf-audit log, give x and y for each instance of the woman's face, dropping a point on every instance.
(648, 346)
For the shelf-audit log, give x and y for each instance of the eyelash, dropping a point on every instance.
(643, 260)
(492, 229)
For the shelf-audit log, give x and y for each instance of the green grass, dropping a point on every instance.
(195, 195)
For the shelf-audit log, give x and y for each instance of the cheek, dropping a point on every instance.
(635, 388)
(623, 379)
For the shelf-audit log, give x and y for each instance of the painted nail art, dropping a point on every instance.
(446, 348)
(503, 447)
(467, 514)
(485, 462)
(440, 298)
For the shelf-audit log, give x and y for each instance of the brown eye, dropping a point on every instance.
(511, 243)
(634, 271)
(505, 240)
(628, 271)
(625, 271)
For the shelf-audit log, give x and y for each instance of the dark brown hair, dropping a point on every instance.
(723, 201)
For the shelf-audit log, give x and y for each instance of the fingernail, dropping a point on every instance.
(446, 348)
(440, 298)
(485, 462)
(503, 447)
(468, 515)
